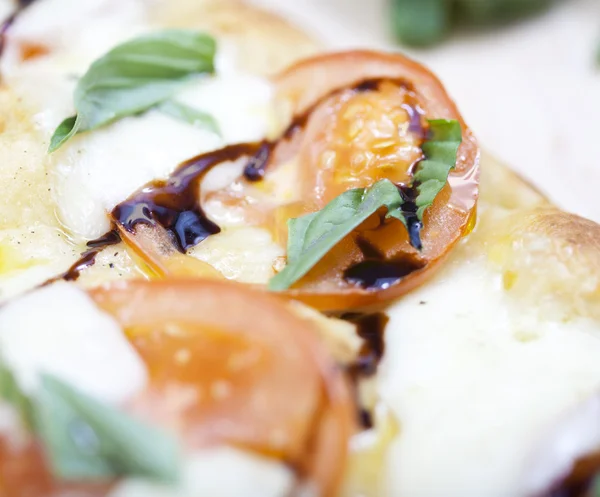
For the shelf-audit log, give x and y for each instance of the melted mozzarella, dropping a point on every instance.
(219, 472)
(480, 386)
(59, 330)
(53, 25)
(98, 169)
(242, 254)
(31, 255)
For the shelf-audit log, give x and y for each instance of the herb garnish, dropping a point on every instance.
(134, 77)
(195, 117)
(85, 439)
(440, 151)
(313, 235)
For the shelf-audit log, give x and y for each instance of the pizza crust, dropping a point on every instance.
(265, 42)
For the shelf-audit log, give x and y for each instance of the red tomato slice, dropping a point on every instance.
(227, 365)
(354, 139)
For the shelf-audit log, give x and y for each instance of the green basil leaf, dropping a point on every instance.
(134, 77)
(189, 115)
(67, 129)
(85, 439)
(311, 236)
(12, 393)
(440, 152)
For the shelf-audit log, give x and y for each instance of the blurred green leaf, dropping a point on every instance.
(496, 11)
(420, 22)
(425, 22)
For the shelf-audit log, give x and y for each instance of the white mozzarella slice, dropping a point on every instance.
(479, 386)
(219, 472)
(242, 254)
(59, 330)
(96, 170)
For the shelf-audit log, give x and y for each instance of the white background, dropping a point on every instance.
(531, 92)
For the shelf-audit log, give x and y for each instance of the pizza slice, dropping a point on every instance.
(232, 266)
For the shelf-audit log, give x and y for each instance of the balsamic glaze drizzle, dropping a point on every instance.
(87, 258)
(409, 209)
(372, 274)
(175, 203)
(371, 328)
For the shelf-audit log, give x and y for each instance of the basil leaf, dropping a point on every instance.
(11, 392)
(313, 235)
(135, 76)
(440, 157)
(85, 439)
(189, 115)
(67, 129)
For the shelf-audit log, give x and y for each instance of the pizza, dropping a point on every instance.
(233, 263)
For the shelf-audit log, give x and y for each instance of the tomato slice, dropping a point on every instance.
(354, 139)
(227, 365)
(356, 118)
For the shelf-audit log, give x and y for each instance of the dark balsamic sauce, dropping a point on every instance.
(409, 208)
(87, 258)
(371, 328)
(369, 250)
(372, 274)
(175, 203)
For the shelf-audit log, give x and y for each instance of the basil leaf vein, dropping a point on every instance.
(185, 113)
(88, 440)
(313, 235)
(134, 77)
(440, 151)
